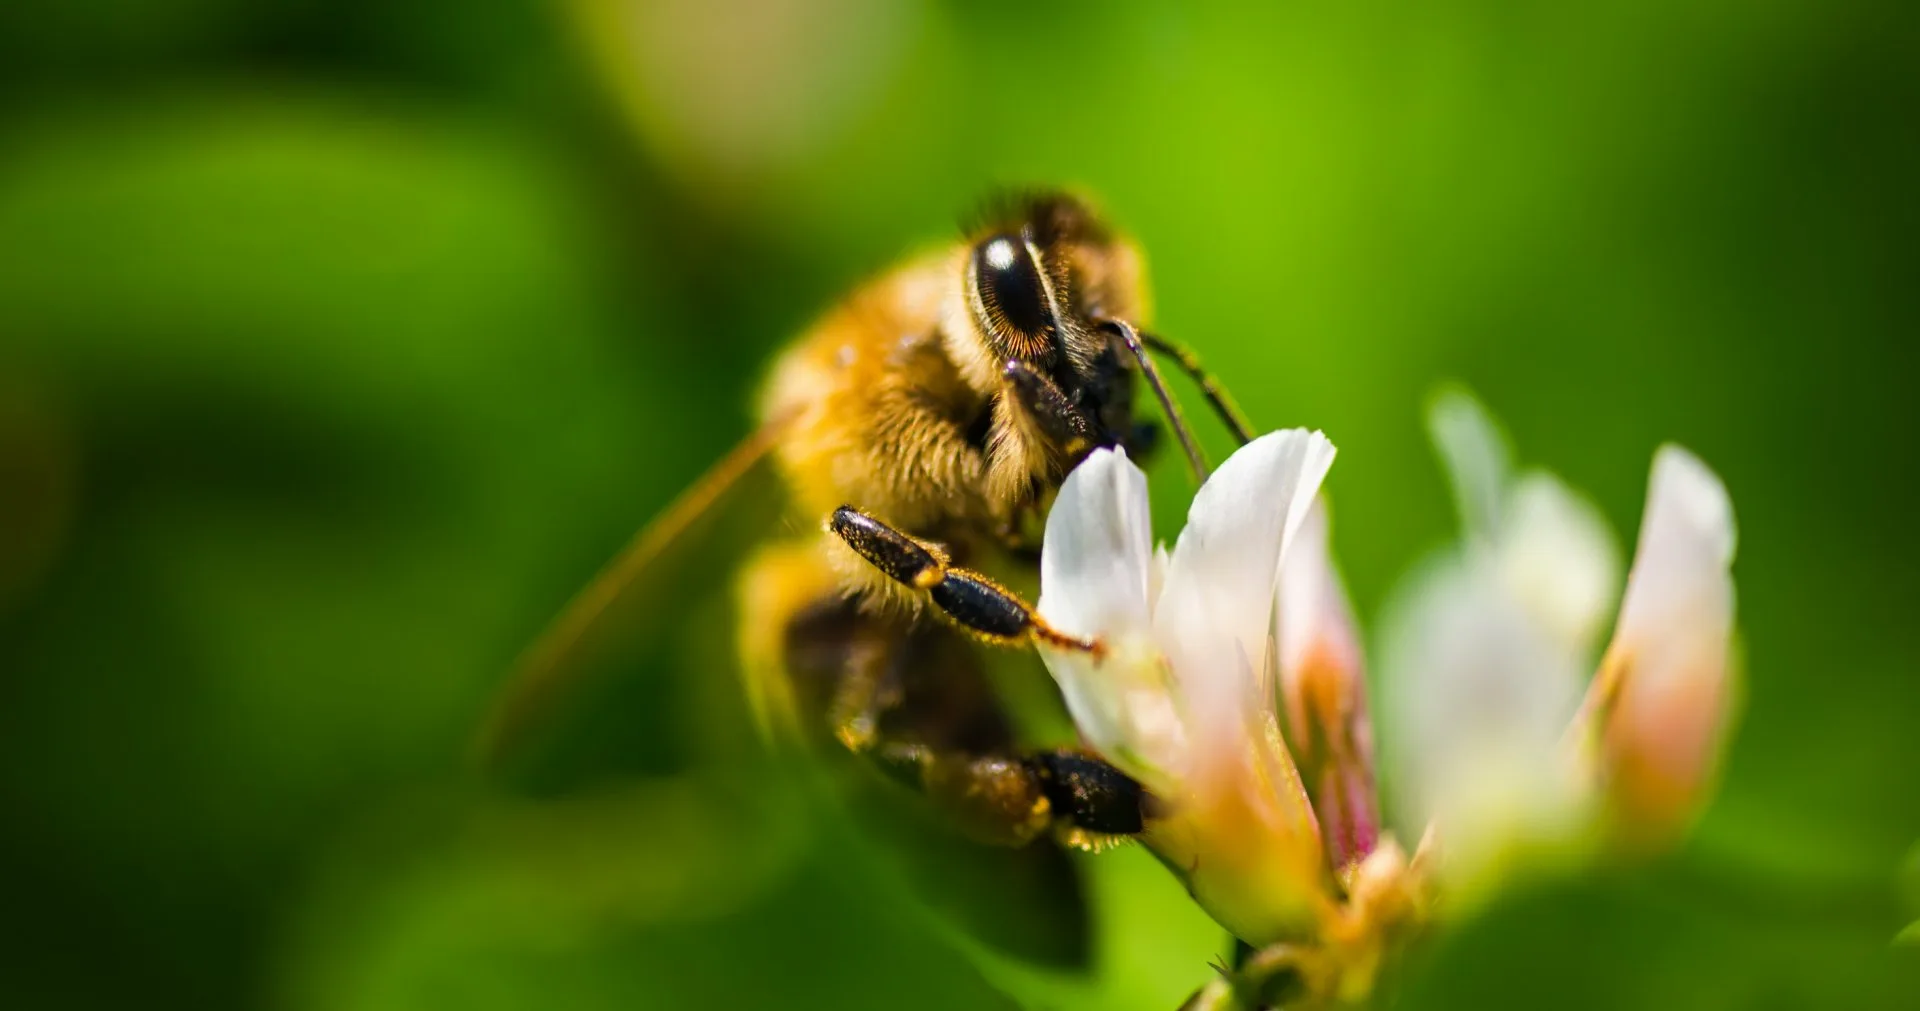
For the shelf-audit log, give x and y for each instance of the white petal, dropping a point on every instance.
(1236, 819)
(1216, 606)
(1477, 696)
(1311, 605)
(1477, 458)
(1095, 568)
(1098, 549)
(1157, 572)
(1670, 650)
(1124, 705)
(1486, 647)
(1558, 558)
(1249, 824)
(1555, 549)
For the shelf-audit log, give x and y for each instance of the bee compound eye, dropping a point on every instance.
(1012, 293)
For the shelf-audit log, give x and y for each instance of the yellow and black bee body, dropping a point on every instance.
(918, 431)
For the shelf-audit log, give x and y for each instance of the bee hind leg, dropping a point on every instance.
(973, 601)
(1089, 797)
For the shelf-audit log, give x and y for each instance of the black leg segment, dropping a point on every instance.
(1060, 421)
(981, 606)
(973, 601)
(1089, 793)
(892, 552)
(1006, 800)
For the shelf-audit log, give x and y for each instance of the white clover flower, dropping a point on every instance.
(1182, 695)
(1661, 705)
(1229, 681)
(1488, 650)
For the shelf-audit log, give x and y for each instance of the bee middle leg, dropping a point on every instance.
(973, 601)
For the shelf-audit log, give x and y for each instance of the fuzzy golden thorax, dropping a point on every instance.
(900, 394)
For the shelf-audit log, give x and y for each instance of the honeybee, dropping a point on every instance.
(919, 430)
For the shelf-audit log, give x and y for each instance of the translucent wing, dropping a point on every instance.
(633, 595)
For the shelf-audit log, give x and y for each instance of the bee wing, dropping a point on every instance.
(630, 594)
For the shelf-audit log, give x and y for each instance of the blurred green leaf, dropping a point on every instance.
(340, 343)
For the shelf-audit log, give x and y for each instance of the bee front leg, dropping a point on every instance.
(973, 601)
(1063, 424)
(1067, 426)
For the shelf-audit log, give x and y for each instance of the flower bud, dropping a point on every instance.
(1662, 697)
(1323, 691)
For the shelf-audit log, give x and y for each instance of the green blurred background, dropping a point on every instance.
(340, 342)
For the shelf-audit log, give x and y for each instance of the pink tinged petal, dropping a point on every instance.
(1241, 834)
(1095, 567)
(1246, 847)
(1242, 827)
(1324, 695)
(1665, 682)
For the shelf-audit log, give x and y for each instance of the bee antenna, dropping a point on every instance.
(1175, 419)
(1216, 394)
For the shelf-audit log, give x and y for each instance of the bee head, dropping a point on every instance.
(1042, 268)
(1053, 299)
